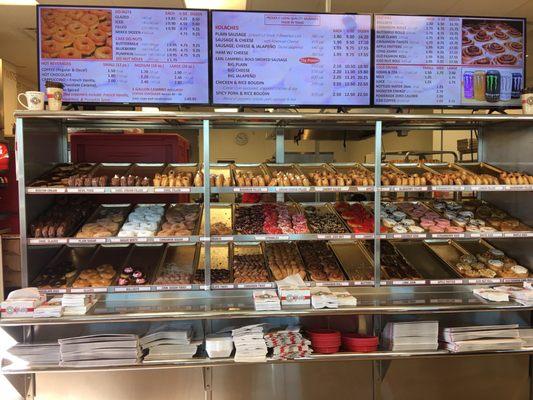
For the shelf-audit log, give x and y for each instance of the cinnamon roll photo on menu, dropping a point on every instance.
(76, 33)
(493, 42)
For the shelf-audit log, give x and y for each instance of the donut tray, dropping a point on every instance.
(301, 250)
(266, 246)
(322, 209)
(220, 260)
(407, 271)
(251, 248)
(222, 169)
(220, 213)
(355, 260)
(185, 256)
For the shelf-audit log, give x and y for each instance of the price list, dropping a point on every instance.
(158, 56)
(417, 60)
(291, 59)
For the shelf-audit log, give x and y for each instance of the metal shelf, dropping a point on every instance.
(114, 190)
(200, 362)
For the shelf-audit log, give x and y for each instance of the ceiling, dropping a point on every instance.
(17, 39)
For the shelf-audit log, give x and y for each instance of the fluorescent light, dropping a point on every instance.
(18, 2)
(217, 4)
(228, 110)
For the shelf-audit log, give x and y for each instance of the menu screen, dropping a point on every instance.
(290, 59)
(448, 61)
(125, 55)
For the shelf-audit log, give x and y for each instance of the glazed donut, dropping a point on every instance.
(76, 28)
(98, 37)
(494, 48)
(51, 47)
(501, 35)
(482, 36)
(104, 52)
(48, 30)
(101, 14)
(90, 21)
(69, 52)
(505, 59)
(109, 42)
(64, 38)
(84, 45)
(515, 46)
(105, 27)
(62, 20)
(514, 32)
(75, 14)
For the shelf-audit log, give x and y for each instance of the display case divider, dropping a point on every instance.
(377, 204)
(207, 203)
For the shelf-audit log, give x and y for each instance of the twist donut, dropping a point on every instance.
(84, 45)
(51, 47)
(90, 21)
(104, 52)
(77, 29)
(63, 38)
(98, 37)
(105, 27)
(69, 52)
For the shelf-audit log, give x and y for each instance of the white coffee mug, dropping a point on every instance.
(34, 100)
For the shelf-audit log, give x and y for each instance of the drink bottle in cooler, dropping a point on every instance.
(479, 85)
(506, 86)
(517, 85)
(468, 85)
(492, 86)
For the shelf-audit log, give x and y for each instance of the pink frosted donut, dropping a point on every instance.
(454, 229)
(436, 229)
(427, 224)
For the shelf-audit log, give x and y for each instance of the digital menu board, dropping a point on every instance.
(290, 59)
(125, 55)
(448, 61)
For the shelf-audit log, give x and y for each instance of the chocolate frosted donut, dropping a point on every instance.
(472, 51)
(482, 36)
(505, 59)
(494, 48)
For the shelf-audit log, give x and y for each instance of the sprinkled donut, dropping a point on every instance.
(77, 29)
(105, 27)
(51, 47)
(98, 37)
(89, 20)
(104, 52)
(63, 38)
(84, 45)
(69, 52)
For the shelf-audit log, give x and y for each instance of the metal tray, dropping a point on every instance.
(293, 209)
(297, 255)
(124, 209)
(147, 170)
(322, 209)
(479, 168)
(196, 228)
(137, 206)
(77, 256)
(413, 274)
(309, 169)
(273, 169)
(448, 251)
(60, 172)
(334, 257)
(115, 255)
(191, 168)
(219, 213)
(185, 256)
(475, 246)
(145, 258)
(410, 168)
(220, 259)
(249, 248)
(354, 260)
(222, 169)
(429, 265)
(111, 169)
(254, 168)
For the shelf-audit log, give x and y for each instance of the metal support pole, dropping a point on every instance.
(207, 204)
(20, 175)
(207, 375)
(377, 205)
(280, 155)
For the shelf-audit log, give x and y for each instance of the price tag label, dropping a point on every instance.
(364, 188)
(45, 241)
(173, 287)
(251, 189)
(293, 189)
(131, 189)
(87, 240)
(172, 239)
(331, 236)
(87, 190)
(446, 282)
(45, 190)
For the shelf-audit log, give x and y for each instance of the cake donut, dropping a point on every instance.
(51, 47)
(105, 27)
(76, 28)
(505, 59)
(104, 52)
(48, 30)
(97, 36)
(471, 52)
(69, 52)
(63, 38)
(90, 21)
(514, 32)
(482, 36)
(494, 48)
(515, 46)
(84, 45)
(501, 35)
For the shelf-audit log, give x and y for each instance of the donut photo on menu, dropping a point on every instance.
(76, 33)
(492, 42)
